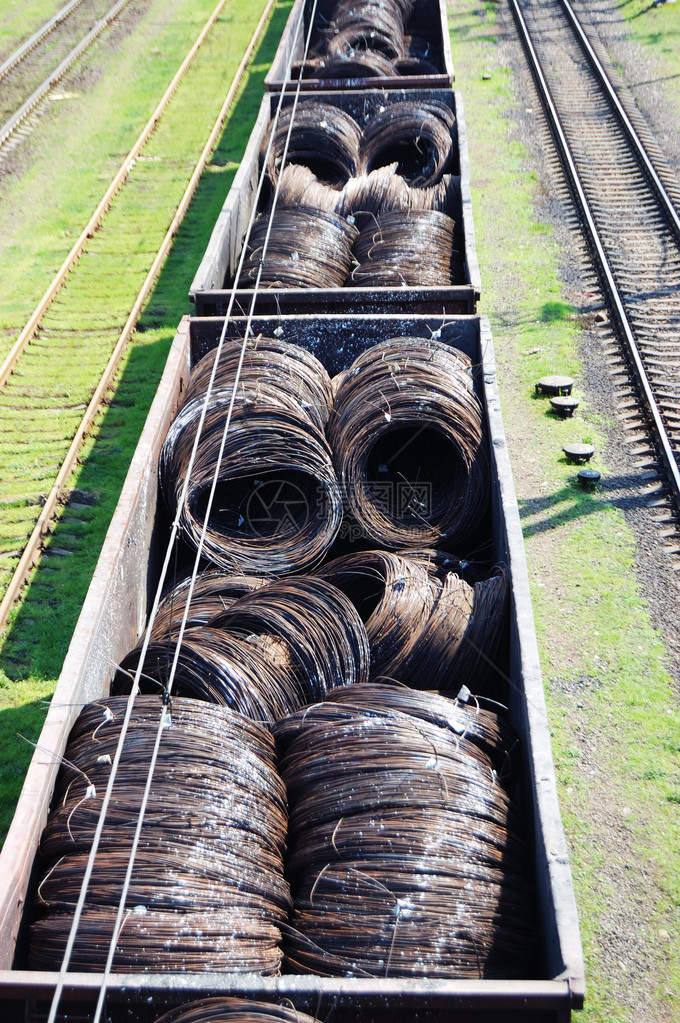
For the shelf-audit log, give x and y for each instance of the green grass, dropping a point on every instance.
(604, 665)
(82, 142)
(35, 645)
(20, 21)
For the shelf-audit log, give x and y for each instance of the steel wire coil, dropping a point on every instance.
(466, 715)
(299, 186)
(408, 444)
(395, 873)
(295, 372)
(383, 190)
(317, 622)
(262, 656)
(278, 504)
(207, 889)
(306, 248)
(234, 1010)
(394, 597)
(323, 137)
(157, 942)
(382, 760)
(253, 675)
(354, 34)
(212, 591)
(361, 62)
(416, 134)
(406, 248)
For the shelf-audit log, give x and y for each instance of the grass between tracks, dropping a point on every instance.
(614, 716)
(20, 21)
(32, 652)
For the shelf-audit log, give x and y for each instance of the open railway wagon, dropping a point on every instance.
(354, 147)
(114, 617)
(408, 47)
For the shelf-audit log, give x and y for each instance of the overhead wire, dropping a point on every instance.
(59, 986)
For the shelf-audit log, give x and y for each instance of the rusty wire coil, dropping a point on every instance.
(394, 597)
(357, 63)
(293, 370)
(406, 853)
(307, 248)
(207, 890)
(234, 1010)
(213, 590)
(417, 135)
(482, 722)
(408, 444)
(255, 676)
(407, 248)
(317, 622)
(299, 186)
(354, 34)
(323, 137)
(263, 656)
(277, 505)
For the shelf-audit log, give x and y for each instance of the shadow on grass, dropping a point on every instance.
(573, 501)
(39, 634)
(16, 752)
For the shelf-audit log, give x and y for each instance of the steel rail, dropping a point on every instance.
(37, 37)
(93, 223)
(10, 126)
(32, 551)
(623, 118)
(664, 445)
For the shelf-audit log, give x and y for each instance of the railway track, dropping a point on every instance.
(56, 377)
(627, 200)
(29, 75)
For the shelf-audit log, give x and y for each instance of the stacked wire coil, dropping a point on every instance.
(207, 891)
(408, 443)
(427, 622)
(277, 648)
(277, 503)
(368, 39)
(386, 172)
(405, 249)
(406, 850)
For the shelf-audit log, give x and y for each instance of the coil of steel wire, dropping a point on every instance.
(306, 248)
(394, 597)
(406, 852)
(406, 248)
(317, 622)
(356, 33)
(482, 722)
(408, 444)
(357, 63)
(323, 137)
(426, 626)
(212, 592)
(207, 890)
(234, 1010)
(417, 135)
(254, 676)
(262, 656)
(277, 505)
(299, 186)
